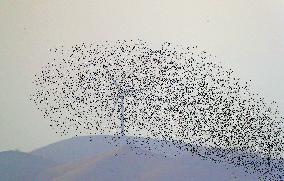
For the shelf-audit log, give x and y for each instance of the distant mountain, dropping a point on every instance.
(19, 166)
(75, 148)
(79, 159)
(125, 164)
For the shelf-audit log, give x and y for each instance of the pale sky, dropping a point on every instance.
(245, 35)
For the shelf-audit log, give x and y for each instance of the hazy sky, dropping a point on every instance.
(246, 35)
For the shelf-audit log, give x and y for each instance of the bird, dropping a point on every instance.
(177, 95)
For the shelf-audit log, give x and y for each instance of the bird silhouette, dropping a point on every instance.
(176, 94)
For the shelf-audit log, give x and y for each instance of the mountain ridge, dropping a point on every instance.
(79, 158)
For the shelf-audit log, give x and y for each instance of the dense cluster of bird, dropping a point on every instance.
(176, 94)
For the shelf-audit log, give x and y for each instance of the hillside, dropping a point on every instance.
(15, 165)
(79, 159)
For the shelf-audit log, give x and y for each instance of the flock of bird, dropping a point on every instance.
(177, 95)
